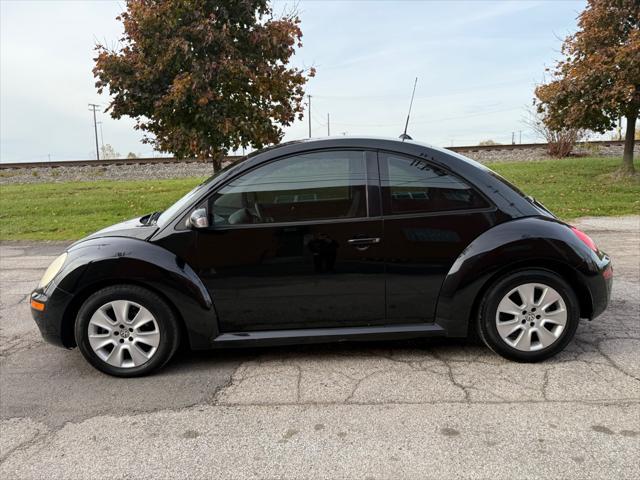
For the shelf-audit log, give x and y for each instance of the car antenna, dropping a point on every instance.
(404, 135)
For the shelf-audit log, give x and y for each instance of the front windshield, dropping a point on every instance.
(169, 213)
(179, 205)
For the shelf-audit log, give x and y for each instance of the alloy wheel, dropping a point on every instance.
(531, 317)
(123, 334)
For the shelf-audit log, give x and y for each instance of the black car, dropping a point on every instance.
(322, 241)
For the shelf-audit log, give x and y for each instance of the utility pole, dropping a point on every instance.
(328, 125)
(309, 115)
(95, 128)
(513, 138)
(520, 137)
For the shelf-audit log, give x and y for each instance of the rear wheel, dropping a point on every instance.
(528, 316)
(126, 330)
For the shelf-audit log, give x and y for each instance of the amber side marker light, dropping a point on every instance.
(37, 305)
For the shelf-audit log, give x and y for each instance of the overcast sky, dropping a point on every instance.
(476, 61)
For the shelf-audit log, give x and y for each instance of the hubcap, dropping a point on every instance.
(531, 317)
(123, 334)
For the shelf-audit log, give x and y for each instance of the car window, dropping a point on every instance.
(411, 185)
(314, 186)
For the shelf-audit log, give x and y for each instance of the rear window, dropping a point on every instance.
(539, 206)
(411, 185)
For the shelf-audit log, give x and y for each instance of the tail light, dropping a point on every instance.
(586, 239)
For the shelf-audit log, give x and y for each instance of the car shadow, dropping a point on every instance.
(188, 359)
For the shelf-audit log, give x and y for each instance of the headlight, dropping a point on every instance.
(52, 271)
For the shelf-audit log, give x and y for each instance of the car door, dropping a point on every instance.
(295, 244)
(430, 216)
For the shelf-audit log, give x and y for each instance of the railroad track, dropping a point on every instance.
(234, 158)
(526, 146)
(107, 163)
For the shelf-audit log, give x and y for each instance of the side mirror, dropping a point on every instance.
(199, 218)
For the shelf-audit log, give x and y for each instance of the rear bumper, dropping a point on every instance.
(49, 319)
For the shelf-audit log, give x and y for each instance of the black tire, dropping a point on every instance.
(488, 331)
(162, 313)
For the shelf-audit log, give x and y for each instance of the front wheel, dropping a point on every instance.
(528, 316)
(126, 331)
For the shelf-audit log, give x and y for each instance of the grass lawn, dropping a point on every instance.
(570, 188)
(576, 187)
(68, 211)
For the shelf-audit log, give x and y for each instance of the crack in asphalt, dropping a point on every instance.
(452, 378)
(597, 345)
(263, 368)
(40, 439)
(624, 402)
(16, 344)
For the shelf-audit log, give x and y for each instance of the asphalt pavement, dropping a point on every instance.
(419, 409)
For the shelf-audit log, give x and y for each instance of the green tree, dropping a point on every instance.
(202, 77)
(598, 80)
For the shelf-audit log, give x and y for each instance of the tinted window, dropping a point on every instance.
(412, 185)
(315, 186)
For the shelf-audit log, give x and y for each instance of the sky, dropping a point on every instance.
(477, 63)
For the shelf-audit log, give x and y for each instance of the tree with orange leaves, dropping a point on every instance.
(598, 81)
(203, 77)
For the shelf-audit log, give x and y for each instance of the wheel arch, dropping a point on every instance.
(70, 314)
(98, 263)
(566, 272)
(526, 243)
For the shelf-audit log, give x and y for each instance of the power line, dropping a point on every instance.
(417, 120)
(318, 120)
(486, 86)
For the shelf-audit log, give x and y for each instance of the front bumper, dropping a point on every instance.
(50, 318)
(600, 286)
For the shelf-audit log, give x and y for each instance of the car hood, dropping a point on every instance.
(130, 228)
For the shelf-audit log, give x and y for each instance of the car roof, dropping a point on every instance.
(446, 159)
(443, 157)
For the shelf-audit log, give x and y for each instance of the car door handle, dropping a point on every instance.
(359, 242)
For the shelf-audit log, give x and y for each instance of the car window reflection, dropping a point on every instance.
(316, 186)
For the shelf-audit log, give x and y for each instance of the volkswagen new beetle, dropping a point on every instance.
(322, 241)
